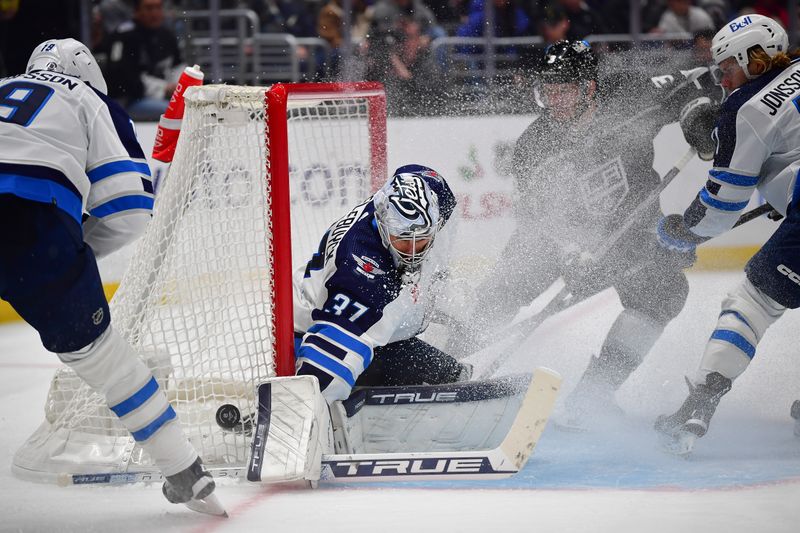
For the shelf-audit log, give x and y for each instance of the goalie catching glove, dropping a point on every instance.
(698, 119)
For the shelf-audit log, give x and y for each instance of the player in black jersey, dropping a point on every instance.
(581, 169)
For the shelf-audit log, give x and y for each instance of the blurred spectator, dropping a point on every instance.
(113, 13)
(719, 11)
(401, 59)
(390, 24)
(450, 14)
(651, 12)
(777, 9)
(682, 17)
(287, 16)
(701, 47)
(26, 23)
(330, 26)
(107, 15)
(510, 20)
(284, 16)
(553, 24)
(386, 17)
(614, 14)
(143, 62)
(582, 20)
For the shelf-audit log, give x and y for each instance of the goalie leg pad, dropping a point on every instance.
(292, 433)
(111, 367)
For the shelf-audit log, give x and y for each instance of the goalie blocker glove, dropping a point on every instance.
(698, 119)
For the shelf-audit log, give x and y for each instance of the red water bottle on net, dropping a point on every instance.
(169, 126)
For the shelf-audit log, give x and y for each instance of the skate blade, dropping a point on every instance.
(680, 444)
(208, 505)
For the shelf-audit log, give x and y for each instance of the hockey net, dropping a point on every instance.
(206, 301)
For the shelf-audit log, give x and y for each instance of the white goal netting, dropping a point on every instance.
(196, 301)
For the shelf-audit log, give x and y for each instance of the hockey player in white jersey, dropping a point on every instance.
(758, 148)
(367, 292)
(75, 186)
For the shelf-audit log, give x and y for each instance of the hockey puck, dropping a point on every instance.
(228, 416)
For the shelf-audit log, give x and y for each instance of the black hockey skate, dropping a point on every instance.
(194, 487)
(680, 430)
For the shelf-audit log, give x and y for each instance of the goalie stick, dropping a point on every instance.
(503, 461)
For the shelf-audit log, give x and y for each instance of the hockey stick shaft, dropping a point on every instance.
(753, 213)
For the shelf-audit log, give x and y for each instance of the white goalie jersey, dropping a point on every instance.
(66, 144)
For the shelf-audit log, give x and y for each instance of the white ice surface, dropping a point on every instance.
(744, 476)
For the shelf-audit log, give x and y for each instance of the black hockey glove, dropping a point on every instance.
(673, 234)
(698, 119)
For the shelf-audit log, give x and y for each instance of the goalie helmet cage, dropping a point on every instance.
(206, 301)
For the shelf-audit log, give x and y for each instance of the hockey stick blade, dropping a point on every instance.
(501, 462)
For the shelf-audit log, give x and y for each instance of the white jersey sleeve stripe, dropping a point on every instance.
(117, 167)
(730, 178)
(123, 203)
(721, 205)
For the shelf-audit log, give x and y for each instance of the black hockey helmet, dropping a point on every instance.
(568, 62)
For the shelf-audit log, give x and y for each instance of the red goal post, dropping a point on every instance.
(278, 96)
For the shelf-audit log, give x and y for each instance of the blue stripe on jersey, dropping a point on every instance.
(736, 339)
(326, 346)
(44, 191)
(147, 431)
(738, 317)
(117, 167)
(123, 203)
(40, 172)
(326, 362)
(722, 205)
(734, 179)
(147, 185)
(123, 125)
(137, 399)
(338, 336)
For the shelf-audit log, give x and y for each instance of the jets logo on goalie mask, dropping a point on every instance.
(409, 210)
(411, 201)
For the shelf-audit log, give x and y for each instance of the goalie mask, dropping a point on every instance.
(68, 56)
(409, 210)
